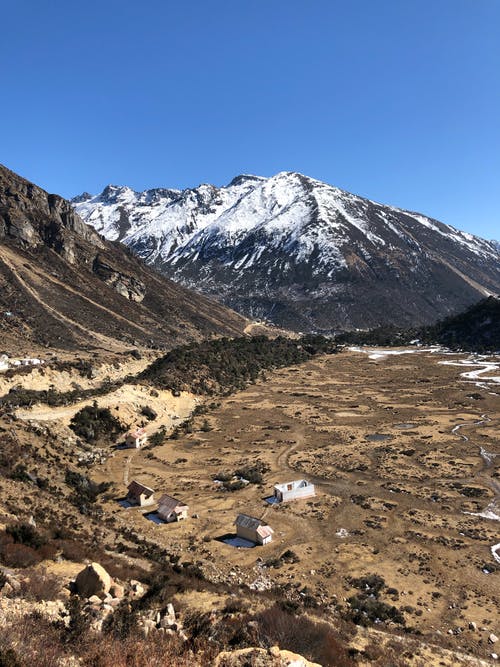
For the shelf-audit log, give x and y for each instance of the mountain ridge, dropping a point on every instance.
(300, 253)
(63, 284)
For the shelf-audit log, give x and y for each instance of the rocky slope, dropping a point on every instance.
(299, 252)
(63, 285)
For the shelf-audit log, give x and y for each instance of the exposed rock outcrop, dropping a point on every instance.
(127, 286)
(260, 657)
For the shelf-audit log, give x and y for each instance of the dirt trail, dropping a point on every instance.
(126, 404)
(126, 469)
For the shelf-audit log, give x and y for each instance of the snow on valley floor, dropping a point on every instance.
(482, 377)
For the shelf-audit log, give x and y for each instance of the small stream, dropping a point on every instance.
(492, 511)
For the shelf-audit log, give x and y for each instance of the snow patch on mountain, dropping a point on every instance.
(267, 243)
(165, 224)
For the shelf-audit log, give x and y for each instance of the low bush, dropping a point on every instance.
(85, 491)
(93, 423)
(25, 533)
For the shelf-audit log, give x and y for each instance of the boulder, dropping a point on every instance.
(117, 591)
(492, 639)
(260, 657)
(93, 580)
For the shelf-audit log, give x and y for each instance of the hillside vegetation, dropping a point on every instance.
(225, 365)
(477, 329)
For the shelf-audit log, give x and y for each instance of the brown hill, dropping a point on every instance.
(63, 285)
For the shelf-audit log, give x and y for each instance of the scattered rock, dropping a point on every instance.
(6, 590)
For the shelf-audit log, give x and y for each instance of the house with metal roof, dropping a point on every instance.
(170, 509)
(252, 529)
(138, 494)
(300, 488)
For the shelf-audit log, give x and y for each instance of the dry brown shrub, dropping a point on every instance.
(315, 640)
(73, 550)
(39, 585)
(157, 650)
(31, 641)
(20, 556)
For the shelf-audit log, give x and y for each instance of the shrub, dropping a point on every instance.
(159, 437)
(85, 491)
(148, 412)
(225, 365)
(38, 585)
(315, 640)
(93, 423)
(366, 610)
(19, 555)
(25, 533)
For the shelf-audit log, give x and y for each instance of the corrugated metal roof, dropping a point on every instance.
(246, 521)
(137, 489)
(168, 504)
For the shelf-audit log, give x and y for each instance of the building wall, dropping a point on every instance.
(247, 534)
(173, 516)
(135, 443)
(144, 500)
(299, 492)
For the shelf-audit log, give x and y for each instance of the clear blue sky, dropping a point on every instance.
(397, 100)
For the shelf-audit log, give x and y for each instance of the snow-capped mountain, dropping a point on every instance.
(300, 253)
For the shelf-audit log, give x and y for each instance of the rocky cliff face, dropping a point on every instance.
(64, 284)
(300, 253)
(35, 218)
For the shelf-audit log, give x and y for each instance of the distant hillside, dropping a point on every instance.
(477, 329)
(63, 285)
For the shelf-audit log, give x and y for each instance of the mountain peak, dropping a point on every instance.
(244, 178)
(302, 253)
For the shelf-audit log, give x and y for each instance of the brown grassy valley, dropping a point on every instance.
(395, 519)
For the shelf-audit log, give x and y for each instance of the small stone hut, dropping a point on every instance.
(170, 509)
(252, 529)
(138, 494)
(136, 439)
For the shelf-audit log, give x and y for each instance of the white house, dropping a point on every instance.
(252, 529)
(300, 488)
(136, 439)
(138, 494)
(170, 509)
